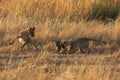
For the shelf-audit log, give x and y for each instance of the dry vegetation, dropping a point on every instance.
(65, 20)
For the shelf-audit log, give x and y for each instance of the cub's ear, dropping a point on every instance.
(28, 28)
(33, 28)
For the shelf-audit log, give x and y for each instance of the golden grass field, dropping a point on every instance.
(64, 20)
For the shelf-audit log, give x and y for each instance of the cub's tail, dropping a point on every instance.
(13, 40)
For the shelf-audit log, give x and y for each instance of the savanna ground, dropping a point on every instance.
(64, 20)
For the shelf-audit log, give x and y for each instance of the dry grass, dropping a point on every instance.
(58, 67)
(65, 20)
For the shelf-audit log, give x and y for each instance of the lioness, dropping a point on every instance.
(24, 38)
(82, 44)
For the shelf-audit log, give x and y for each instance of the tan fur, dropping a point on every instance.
(25, 38)
(81, 44)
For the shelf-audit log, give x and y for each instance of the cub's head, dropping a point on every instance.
(66, 45)
(31, 31)
(58, 44)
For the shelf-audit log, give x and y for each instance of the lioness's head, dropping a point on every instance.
(31, 31)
